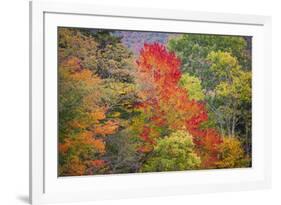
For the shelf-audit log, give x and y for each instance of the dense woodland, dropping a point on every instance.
(173, 104)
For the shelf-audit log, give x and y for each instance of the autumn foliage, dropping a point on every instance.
(168, 104)
(121, 112)
(84, 132)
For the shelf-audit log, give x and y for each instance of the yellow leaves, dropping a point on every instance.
(86, 76)
(222, 58)
(192, 85)
(231, 154)
(98, 115)
(75, 167)
(223, 64)
(121, 92)
(239, 88)
(115, 114)
(223, 89)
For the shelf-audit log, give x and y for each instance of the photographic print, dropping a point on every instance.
(145, 101)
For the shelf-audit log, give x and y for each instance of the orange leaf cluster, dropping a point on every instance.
(63, 147)
(88, 139)
(108, 128)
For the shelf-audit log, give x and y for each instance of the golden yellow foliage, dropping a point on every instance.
(74, 168)
(231, 154)
(98, 115)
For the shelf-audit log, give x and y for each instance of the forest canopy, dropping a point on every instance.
(132, 102)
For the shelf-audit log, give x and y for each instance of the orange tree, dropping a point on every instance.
(82, 120)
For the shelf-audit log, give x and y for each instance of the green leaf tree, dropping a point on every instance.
(234, 93)
(193, 50)
(192, 85)
(173, 153)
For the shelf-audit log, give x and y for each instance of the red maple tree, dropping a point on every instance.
(169, 105)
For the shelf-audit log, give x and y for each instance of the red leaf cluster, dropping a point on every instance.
(159, 72)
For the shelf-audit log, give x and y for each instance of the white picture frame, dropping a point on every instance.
(46, 187)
